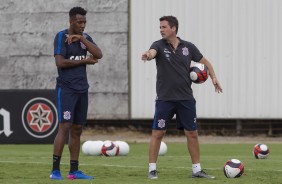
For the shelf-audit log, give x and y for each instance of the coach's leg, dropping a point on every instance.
(154, 146)
(193, 145)
(194, 150)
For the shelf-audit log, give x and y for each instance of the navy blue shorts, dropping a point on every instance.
(72, 107)
(185, 111)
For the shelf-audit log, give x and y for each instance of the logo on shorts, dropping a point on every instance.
(195, 120)
(161, 123)
(39, 117)
(67, 115)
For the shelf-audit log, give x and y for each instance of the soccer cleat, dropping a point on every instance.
(202, 174)
(78, 175)
(153, 175)
(56, 175)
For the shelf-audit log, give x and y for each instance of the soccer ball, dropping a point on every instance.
(199, 73)
(261, 151)
(233, 168)
(123, 148)
(110, 149)
(85, 146)
(163, 149)
(94, 149)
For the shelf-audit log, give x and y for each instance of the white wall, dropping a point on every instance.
(242, 39)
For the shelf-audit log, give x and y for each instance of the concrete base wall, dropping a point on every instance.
(28, 28)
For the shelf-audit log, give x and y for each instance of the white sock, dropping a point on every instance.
(196, 167)
(152, 166)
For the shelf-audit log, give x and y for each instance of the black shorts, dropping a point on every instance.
(185, 111)
(72, 107)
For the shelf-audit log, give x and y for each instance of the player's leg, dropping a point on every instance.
(74, 146)
(58, 147)
(60, 139)
(80, 118)
(64, 106)
(164, 111)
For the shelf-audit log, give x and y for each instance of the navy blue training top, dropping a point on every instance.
(73, 78)
(173, 81)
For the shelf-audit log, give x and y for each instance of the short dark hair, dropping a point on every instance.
(172, 21)
(77, 10)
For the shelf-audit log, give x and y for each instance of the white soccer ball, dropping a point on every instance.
(261, 151)
(233, 168)
(85, 146)
(163, 149)
(109, 148)
(123, 148)
(95, 148)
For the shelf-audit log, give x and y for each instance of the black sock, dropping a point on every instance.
(73, 165)
(56, 162)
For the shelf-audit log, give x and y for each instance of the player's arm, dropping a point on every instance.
(210, 67)
(149, 55)
(61, 62)
(215, 82)
(92, 48)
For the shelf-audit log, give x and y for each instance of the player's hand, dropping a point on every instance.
(72, 38)
(217, 85)
(91, 60)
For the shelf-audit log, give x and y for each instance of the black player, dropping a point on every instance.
(70, 50)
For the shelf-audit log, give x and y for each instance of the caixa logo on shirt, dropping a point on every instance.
(77, 57)
(39, 117)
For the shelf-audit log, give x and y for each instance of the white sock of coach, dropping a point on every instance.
(196, 167)
(152, 166)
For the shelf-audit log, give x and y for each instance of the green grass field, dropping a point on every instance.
(32, 163)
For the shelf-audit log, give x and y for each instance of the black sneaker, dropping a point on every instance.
(153, 175)
(202, 174)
